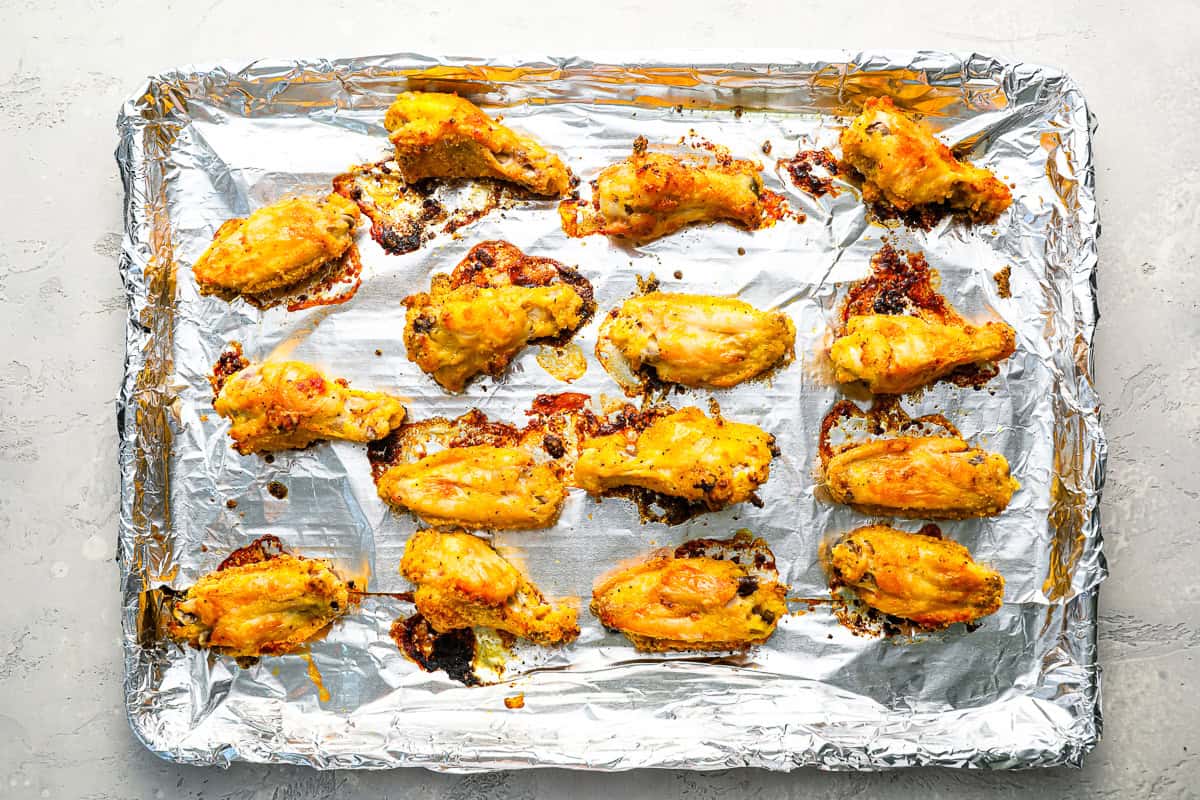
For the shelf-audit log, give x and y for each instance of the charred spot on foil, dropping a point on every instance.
(453, 651)
(263, 548)
(229, 363)
(804, 169)
(553, 445)
(277, 490)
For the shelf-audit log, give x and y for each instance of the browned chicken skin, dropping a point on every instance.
(496, 301)
(285, 405)
(445, 136)
(902, 163)
(266, 607)
(462, 582)
(686, 601)
(277, 246)
(694, 340)
(684, 454)
(653, 194)
(931, 581)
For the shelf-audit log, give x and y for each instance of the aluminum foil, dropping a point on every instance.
(203, 144)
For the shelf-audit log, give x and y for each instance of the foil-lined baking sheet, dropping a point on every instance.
(200, 145)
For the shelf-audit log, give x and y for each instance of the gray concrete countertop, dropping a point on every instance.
(66, 66)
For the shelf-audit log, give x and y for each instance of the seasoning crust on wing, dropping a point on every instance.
(929, 580)
(285, 405)
(496, 301)
(653, 194)
(462, 582)
(694, 340)
(445, 136)
(903, 164)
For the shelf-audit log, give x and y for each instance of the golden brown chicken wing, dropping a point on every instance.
(652, 194)
(285, 244)
(929, 580)
(444, 136)
(898, 333)
(477, 487)
(263, 603)
(695, 598)
(685, 454)
(285, 405)
(462, 582)
(936, 477)
(902, 163)
(496, 301)
(693, 340)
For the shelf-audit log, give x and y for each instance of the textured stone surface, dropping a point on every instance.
(64, 69)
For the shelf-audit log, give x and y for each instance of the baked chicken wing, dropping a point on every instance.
(931, 581)
(477, 487)
(685, 454)
(281, 245)
(935, 477)
(902, 163)
(477, 319)
(690, 600)
(285, 405)
(694, 340)
(271, 606)
(653, 194)
(444, 136)
(462, 582)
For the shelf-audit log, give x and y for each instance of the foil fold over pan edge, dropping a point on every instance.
(775, 721)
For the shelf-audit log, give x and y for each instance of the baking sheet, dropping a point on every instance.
(202, 144)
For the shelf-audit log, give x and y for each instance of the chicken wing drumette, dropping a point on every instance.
(902, 163)
(653, 194)
(703, 460)
(285, 405)
(444, 136)
(281, 245)
(477, 319)
(462, 583)
(695, 598)
(268, 605)
(693, 340)
(899, 334)
(929, 580)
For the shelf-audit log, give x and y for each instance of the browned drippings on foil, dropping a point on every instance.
(805, 170)
(884, 417)
(264, 548)
(452, 652)
(1003, 280)
(229, 363)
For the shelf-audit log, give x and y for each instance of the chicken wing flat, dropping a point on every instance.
(902, 163)
(286, 405)
(929, 580)
(694, 340)
(462, 582)
(935, 477)
(478, 487)
(281, 245)
(263, 607)
(899, 334)
(475, 320)
(444, 136)
(690, 600)
(685, 454)
(653, 194)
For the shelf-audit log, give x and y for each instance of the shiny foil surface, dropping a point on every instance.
(201, 145)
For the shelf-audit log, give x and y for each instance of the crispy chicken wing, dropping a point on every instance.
(685, 454)
(652, 194)
(462, 582)
(444, 136)
(495, 302)
(931, 581)
(266, 607)
(901, 162)
(477, 487)
(694, 340)
(280, 245)
(893, 353)
(937, 477)
(285, 405)
(688, 600)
